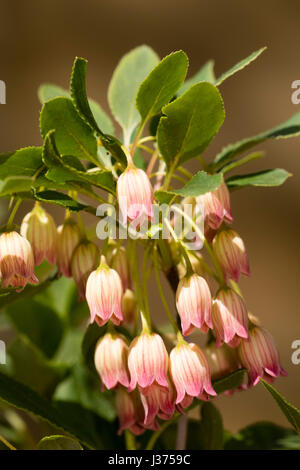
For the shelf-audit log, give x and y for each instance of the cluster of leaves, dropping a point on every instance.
(50, 371)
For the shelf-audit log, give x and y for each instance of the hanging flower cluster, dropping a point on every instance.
(154, 374)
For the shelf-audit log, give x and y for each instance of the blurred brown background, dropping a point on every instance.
(39, 41)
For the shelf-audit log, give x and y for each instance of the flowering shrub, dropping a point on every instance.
(89, 356)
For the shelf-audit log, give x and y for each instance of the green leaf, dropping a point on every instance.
(15, 184)
(161, 84)
(129, 74)
(190, 123)
(23, 162)
(205, 74)
(263, 435)
(73, 135)
(30, 367)
(61, 171)
(58, 296)
(200, 183)
(38, 322)
(139, 159)
(48, 91)
(83, 388)
(211, 428)
(239, 66)
(229, 382)
(78, 94)
(290, 128)
(58, 443)
(60, 199)
(242, 161)
(275, 177)
(69, 352)
(79, 425)
(290, 411)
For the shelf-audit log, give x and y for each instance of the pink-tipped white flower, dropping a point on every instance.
(193, 302)
(131, 413)
(110, 359)
(104, 295)
(84, 260)
(190, 373)
(158, 401)
(230, 318)
(135, 195)
(231, 254)
(119, 262)
(16, 261)
(260, 356)
(39, 228)
(216, 206)
(68, 237)
(148, 361)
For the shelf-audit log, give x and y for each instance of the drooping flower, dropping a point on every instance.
(158, 401)
(190, 373)
(16, 261)
(230, 318)
(84, 260)
(131, 413)
(110, 359)
(129, 305)
(222, 361)
(68, 237)
(260, 356)
(39, 228)
(119, 262)
(231, 254)
(104, 294)
(193, 302)
(148, 361)
(216, 206)
(135, 195)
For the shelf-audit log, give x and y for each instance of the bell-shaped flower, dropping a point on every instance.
(16, 261)
(104, 295)
(39, 228)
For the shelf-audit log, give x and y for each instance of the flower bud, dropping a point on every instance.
(260, 356)
(216, 206)
(104, 295)
(231, 254)
(193, 302)
(110, 359)
(230, 318)
(129, 305)
(148, 361)
(135, 195)
(119, 262)
(196, 265)
(68, 237)
(190, 373)
(84, 260)
(16, 261)
(40, 230)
